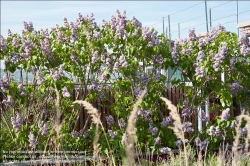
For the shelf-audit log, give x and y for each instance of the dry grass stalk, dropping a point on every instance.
(130, 132)
(178, 125)
(92, 111)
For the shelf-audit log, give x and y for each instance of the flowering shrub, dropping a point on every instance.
(115, 55)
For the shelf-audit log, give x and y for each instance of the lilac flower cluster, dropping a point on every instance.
(174, 53)
(101, 95)
(3, 43)
(122, 123)
(232, 62)
(244, 131)
(65, 92)
(157, 140)
(145, 78)
(55, 74)
(4, 82)
(244, 44)
(214, 132)
(186, 111)
(204, 116)
(28, 26)
(138, 91)
(104, 76)
(32, 140)
(110, 120)
(201, 144)
(148, 34)
(94, 86)
(73, 32)
(74, 134)
(178, 143)
(157, 75)
(40, 78)
(187, 127)
(136, 23)
(15, 42)
(118, 24)
(14, 58)
(153, 130)
(192, 35)
(158, 59)
(225, 114)
(43, 127)
(74, 58)
(9, 101)
(61, 69)
(94, 57)
(164, 150)
(17, 121)
(235, 87)
(144, 113)
(166, 121)
(220, 56)
(112, 134)
(122, 61)
(45, 44)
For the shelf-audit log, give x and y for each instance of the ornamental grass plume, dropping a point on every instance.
(178, 129)
(130, 131)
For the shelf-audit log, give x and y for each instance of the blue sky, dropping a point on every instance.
(46, 14)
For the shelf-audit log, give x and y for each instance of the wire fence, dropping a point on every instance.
(174, 30)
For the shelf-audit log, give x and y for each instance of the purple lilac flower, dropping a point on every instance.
(220, 56)
(101, 95)
(55, 74)
(122, 123)
(138, 91)
(61, 69)
(178, 143)
(145, 78)
(112, 134)
(14, 58)
(211, 131)
(110, 120)
(144, 113)
(9, 101)
(175, 54)
(199, 72)
(204, 116)
(74, 58)
(104, 76)
(94, 57)
(116, 66)
(65, 92)
(40, 78)
(186, 111)
(4, 82)
(20, 87)
(192, 35)
(32, 140)
(197, 141)
(244, 131)
(164, 150)
(225, 114)
(17, 121)
(94, 86)
(166, 121)
(157, 75)
(74, 134)
(235, 87)
(200, 56)
(187, 127)
(43, 127)
(157, 140)
(217, 131)
(232, 62)
(244, 44)
(203, 145)
(153, 130)
(28, 26)
(136, 23)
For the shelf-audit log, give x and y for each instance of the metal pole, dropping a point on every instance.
(179, 32)
(163, 27)
(169, 31)
(206, 14)
(166, 32)
(237, 15)
(210, 17)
